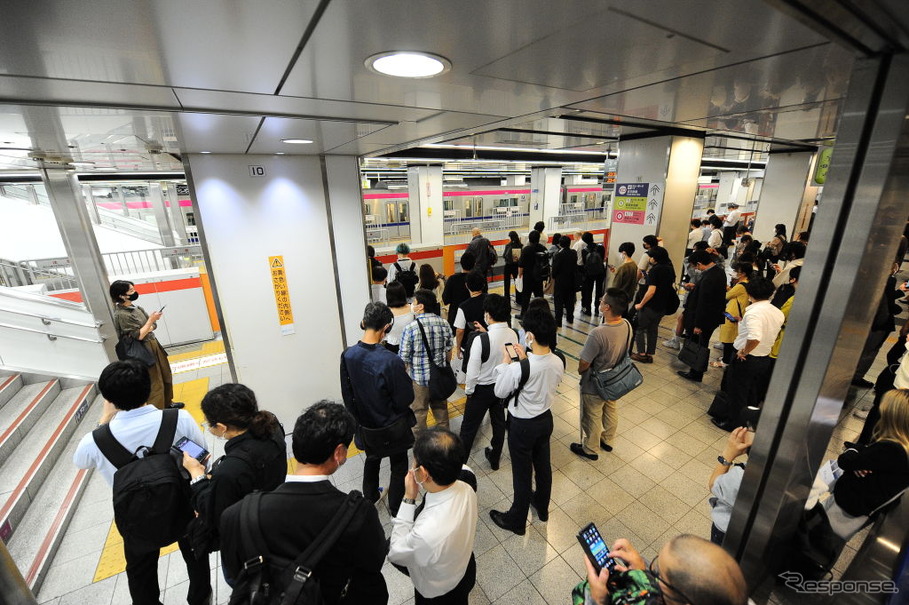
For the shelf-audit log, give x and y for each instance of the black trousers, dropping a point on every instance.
(398, 464)
(511, 272)
(564, 299)
(747, 385)
(482, 400)
(532, 289)
(528, 444)
(457, 595)
(142, 574)
(591, 285)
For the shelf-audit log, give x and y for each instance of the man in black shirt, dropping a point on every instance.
(658, 288)
(564, 271)
(455, 291)
(470, 312)
(528, 269)
(705, 306)
(482, 251)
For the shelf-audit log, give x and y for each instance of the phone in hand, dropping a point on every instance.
(192, 448)
(509, 348)
(595, 548)
(731, 317)
(161, 310)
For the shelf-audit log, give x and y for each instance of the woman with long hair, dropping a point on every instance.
(511, 256)
(432, 281)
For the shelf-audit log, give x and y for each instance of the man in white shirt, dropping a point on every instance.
(750, 370)
(733, 217)
(695, 235)
(379, 279)
(530, 419)
(481, 379)
(436, 545)
(578, 245)
(134, 423)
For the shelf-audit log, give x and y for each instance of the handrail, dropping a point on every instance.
(51, 335)
(47, 320)
(50, 300)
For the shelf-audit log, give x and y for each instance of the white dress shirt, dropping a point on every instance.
(436, 548)
(715, 239)
(694, 236)
(783, 276)
(133, 429)
(479, 372)
(762, 322)
(536, 397)
(733, 218)
(578, 247)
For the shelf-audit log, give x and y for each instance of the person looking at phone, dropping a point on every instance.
(133, 320)
(134, 423)
(736, 302)
(689, 570)
(704, 306)
(481, 380)
(255, 458)
(725, 481)
(530, 419)
(625, 277)
(658, 288)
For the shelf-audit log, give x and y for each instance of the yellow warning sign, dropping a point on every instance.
(282, 295)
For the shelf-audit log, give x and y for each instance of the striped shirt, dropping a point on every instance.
(414, 354)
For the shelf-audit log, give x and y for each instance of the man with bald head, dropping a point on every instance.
(688, 569)
(482, 250)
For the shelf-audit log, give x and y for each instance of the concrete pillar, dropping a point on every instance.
(545, 194)
(784, 191)
(90, 204)
(174, 212)
(515, 180)
(156, 198)
(427, 226)
(729, 183)
(670, 167)
(117, 190)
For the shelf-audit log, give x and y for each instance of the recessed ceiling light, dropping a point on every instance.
(279, 153)
(205, 152)
(408, 64)
(297, 141)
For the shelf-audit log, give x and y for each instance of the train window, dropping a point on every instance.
(403, 209)
(447, 205)
(574, 199)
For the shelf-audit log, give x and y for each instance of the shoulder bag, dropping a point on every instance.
(620, 379)
(384, 441)
(130, 348)
(442, 381)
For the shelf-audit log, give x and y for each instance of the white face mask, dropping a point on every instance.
(420, 483)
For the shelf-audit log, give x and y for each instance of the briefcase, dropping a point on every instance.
(694, 355)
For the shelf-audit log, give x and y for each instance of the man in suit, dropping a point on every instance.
(705, 305)
(294, 514)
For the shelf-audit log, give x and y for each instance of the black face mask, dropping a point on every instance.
(133, 296)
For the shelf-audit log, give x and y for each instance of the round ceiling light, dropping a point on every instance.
(408, 64)
(297, 141)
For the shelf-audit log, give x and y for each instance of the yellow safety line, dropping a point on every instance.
(212, 347)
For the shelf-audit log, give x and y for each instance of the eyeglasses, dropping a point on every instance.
(678, 597)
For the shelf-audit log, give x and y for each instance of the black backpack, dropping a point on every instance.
(270, 580)
(782, 294)
(467, 343)
(407, 278)
(593, 262)
(542, 270)
(151, 497)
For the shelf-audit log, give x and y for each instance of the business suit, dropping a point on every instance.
(704, 309)
(292, 516)
(564, 270)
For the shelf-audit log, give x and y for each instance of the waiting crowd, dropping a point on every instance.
(290, 537)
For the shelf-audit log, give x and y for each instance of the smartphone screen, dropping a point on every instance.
(192, 448)
(595, 547)
(509, 348)
(730, 317)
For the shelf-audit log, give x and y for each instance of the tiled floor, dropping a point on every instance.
(652, 487)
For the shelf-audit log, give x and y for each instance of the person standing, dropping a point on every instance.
(379, 279)
(658, 287)
(511, 256)
(594, 273)
(406, 266)
(417, 357)
(531, 421)
(730, 224)
(470, 313)
(626, 274)
(133, 320)
(736, 302)
(606, 346)
(534, 262)
(378, 392)
(455, 291)
(483, 251)
(695, 235)
(705, 306)
(564, 271)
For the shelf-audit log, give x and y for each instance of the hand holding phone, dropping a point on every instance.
(595, 548)
(161, 310)
(510, 351)
(192, 448)
(731, 317)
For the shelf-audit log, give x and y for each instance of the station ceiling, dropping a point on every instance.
(134, 85)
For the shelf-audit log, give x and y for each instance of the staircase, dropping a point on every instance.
(40, 427)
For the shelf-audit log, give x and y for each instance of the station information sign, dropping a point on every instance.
(637, 203)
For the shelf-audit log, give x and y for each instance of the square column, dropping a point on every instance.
(156, 198)
(427, 219)
(172, 201)
(786, 189)
(545, 194)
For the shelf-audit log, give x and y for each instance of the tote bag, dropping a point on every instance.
(442, 381)
(694, 355)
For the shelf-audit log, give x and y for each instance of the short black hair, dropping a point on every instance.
(701, 245)
(659, 254)
(795, 273)
(498, 307)
(379, 274)
(696, 223)
(555, 238)
(370, 251)
(468, 261)
(539, 226)
(564, 241)
(700, 257)
(395, 294)
(760, 288)
(587, 237)
(743, 268)
(376, 316)
(542, 324)
(533, 237)
(746, 238)
(441, 453)
(118, 289)
(804, 236)
(321, 429)
(628, 248)
(711, 211)
(235, 405)
(126, 384)
(476, 281)
(797, 250)
(427, 298)
(617, 300)
(651, 240)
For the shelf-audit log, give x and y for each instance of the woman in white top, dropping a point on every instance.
(397, 302)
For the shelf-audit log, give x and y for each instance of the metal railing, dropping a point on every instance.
(129, 225)
(22, 273)
(51, 335)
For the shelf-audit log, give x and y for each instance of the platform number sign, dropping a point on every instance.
(256, 170)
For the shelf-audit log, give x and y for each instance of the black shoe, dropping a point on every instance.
(723, 424)
(862, 383)
(851, 445)
(176, 405)
(577, 448)
(605, 446)
(543, 517)
(493, 464)
(499, 519)
(690, 376)
(519, 317)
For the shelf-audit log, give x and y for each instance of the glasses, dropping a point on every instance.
(678, 597)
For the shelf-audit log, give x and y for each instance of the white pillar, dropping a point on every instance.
(729, 182)
(784, 190)
(156, 198)
(427, 219)
(545, 194)
(515, 180)
(175, 213)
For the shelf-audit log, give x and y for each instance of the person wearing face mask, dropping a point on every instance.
(255, 458)
(378, 392)
(626, 274)
(134, 320)
(293, 514)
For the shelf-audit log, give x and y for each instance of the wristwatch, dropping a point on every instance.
(409, 501)
(197, 479)
(723, 461)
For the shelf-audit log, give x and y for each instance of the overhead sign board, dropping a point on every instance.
(638, 203)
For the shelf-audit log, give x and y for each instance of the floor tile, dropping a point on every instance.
(497, 573)
(522, 594)
(555, 581)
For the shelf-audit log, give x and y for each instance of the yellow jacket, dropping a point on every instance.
(736, 302)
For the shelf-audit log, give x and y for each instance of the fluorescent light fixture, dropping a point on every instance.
(279, 153)
(513, 149)
(408, 64)
(205, 152)
(297, 141)
(83, 164)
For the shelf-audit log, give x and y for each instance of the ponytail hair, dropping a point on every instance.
(234, 405)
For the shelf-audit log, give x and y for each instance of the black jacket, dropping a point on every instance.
(292, 516)
(706, 304)
(889, 475)
(454, 293)
(564, 268)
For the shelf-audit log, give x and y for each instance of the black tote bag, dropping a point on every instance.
(694, 355)
(442, 381)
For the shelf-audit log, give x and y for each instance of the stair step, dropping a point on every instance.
(22, 475)
(41, 530)
(22, 412)
(9, 386)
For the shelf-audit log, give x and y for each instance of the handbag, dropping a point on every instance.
(620, 379)
(442, 381)
(388, 440)
(519, 283)
(130, 348)
(694, 355)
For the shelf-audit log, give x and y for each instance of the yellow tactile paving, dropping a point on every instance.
(212, 347)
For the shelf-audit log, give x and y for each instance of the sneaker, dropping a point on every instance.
(672, 343)
(861, 414)
(718, 346)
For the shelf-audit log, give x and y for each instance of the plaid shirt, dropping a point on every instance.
(412, 351)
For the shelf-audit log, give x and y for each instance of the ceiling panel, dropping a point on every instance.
(325, 135)
(216, 133)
